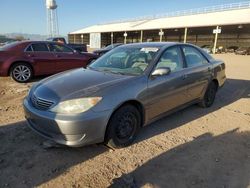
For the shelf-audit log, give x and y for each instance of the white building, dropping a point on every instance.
(229, 23)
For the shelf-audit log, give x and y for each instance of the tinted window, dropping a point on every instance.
(40, 47)
(171, 58)
(193, 56)
(29, 49)
(60, 48)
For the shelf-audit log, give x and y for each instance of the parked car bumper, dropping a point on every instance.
(74, 131)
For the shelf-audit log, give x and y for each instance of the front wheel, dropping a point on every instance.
(209, 96)
(21, 72)
(123, 127)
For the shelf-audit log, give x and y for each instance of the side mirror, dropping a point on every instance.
(161, 71)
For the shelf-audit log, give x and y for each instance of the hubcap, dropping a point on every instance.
(21, 73)
(126, 126)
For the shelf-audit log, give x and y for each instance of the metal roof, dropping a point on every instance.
(229, 14)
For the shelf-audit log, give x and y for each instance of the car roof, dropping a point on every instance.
(151, 44)
(26, 42)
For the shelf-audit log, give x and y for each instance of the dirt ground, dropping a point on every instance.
(192, 148)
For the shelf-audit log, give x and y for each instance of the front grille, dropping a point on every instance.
(41, 104)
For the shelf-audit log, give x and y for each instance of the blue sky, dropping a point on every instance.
(29, 16)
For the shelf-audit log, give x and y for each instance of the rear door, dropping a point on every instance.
(198, 72)
(167, 92)
(42, 59)
(66, 58)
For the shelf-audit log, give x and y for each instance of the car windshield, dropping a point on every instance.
(125, 60)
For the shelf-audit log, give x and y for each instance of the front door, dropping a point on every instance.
(169, 91)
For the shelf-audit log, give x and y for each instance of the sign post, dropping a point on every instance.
(216, 32)
(161, 33)
(125, 37)
(185, 35)
(112, 37)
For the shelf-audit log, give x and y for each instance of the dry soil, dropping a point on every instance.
(194, 147)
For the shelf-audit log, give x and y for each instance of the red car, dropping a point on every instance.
(23, 60)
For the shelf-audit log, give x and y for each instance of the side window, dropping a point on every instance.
(60, 48)
(40, 47)
(193, 57)
(29, 49)
(172, 59)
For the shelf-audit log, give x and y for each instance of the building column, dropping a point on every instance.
(74, 38)
(125, 37)
(141, 35)
(112, 38)
(216, 38)
(161, 33)
(82, 38)
(185, 35)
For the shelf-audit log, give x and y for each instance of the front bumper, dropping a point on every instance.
(75, 131)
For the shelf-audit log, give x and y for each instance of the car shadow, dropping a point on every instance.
(207, 161)
(232, 91)
(25, 163)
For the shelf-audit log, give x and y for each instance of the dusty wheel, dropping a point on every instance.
(123, 127)
(21, 72)
(209, 96)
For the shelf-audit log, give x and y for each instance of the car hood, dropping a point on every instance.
(76, 84)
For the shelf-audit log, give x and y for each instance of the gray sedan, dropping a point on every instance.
(127, 88)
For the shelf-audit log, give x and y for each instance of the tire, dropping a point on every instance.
(21, 72)
(123, 127)
(209, 96)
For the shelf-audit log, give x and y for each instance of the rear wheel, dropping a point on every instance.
(21, 72)
(209, 96)
(123, 127)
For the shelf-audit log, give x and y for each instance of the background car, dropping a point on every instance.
(102, 51)
(207, 48)
(23, 60)
(77, 47)
(243, 51)
(122, 91)
(231, 49)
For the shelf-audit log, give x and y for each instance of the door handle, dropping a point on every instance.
(184, 76)
(30, 55)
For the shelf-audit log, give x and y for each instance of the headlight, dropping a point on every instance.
(76, 106)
